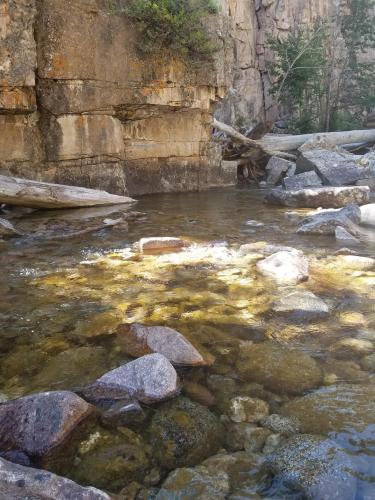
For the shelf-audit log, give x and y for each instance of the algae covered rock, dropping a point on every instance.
(315, 466)
(334, 408)
(111, 460)
(279, 369)
(184, 433)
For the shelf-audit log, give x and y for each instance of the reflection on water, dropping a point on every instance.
(62, 302)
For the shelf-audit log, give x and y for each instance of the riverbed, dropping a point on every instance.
(61, 304)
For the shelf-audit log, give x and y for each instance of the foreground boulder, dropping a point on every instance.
(328, 221)
(38, 423)
(315, 466)
(148, 379)
(325, 197)
(286, 268)
(18, 482)
(301, 304)
(334, 409)
(278, 369)
(184, 433)
(333, 168)
(138, 340)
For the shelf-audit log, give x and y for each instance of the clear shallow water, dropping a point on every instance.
(62, 301)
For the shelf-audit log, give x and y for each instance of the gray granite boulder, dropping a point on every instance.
(38, 423)
(327, 221)
(286, 268)
(325, 197)
(278, 167)
(18, 482)
(301, 181)
(315, 466)
(341, 234)
(368, 214)
(148, 379)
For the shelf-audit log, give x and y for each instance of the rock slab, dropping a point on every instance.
(302, 304)
(18, 482)
(325, 197)
(148, 379)
(138, 340)
(38, 423)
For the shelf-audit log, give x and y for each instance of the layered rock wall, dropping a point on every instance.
(78, 105)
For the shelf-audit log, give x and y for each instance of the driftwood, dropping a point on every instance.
(278, 145)
(15, 191)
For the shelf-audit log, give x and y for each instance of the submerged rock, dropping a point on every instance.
(199, 393)
(282, 425)
(334, 409)
(198, 483)
(350, 348)
(245, 409)
(38, 423)
(315, 466)
(355, 262)
(184, 433)
(148, 379)
(286, 268)
(279, 369)
(326, 197)
(123, 414)
(111, 460)
(138, 340)
(301, 304)
(19, 482)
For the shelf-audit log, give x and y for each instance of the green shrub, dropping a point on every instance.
(177, 26)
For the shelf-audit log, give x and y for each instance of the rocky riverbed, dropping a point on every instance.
(234, 358)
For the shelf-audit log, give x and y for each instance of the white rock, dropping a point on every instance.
(286, 268)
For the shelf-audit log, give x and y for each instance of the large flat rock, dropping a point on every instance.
(325, 197)
(38, 423)
(18, 482)
(148, 379)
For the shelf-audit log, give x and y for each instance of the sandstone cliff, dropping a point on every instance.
(78, 105)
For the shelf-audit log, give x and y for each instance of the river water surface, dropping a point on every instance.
(61, 303)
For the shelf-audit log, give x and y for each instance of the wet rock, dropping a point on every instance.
(301, 304)
(161, 243)
(111, 460)
(256, 439)
(315, 466)
(7, 230)
(237, 434)
(148, 379)
(223, 389)
(341, 234)
(72, 368)
(16, 457)
(343, 371)
(273, 442)
(276, 168)
(334, 409)
(123, 414)
(333, 168)
(368, 214)
(138, 340)
(18, 482)
(184, 433)
(286, 268)
(368, 363)
(326, 222)
(198, 482)
(326, 197)
(302, 181)
(245, 409)
(38, 423)
(199, 393)
(282, 425)
(279, 369)
(349, 348)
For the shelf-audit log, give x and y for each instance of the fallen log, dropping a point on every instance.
(277, 145)
(16, 191)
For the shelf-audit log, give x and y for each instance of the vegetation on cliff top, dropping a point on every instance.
(178, 26)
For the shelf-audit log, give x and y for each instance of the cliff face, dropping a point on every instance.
(78, 105)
